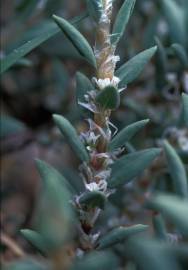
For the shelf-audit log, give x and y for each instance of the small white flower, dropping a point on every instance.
(92, 186)
(102, 83)
(101, 186)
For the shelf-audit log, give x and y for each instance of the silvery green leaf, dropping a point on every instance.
(181, 54)
(26, 264)
(71, 136)
(108, 98)
(126, 134)
(132, 69)
(77, 39)
(130, 166)
(96, 261)
(36, 240)
(93, 199)
(174, 208)
(10, 126)
(29, 45)
(185, 108)
(159, 226)
(54, 216)
(161, 65)
(49, 172)
(176, 170)
(119, 235)
(176, 18)
(149, 254)
(60, 76)
(122, 20)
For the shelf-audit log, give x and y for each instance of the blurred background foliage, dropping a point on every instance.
(43, 82)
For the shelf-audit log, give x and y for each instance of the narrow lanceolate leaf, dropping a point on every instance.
(71, 136)
(161, 65)
(174, 208)
(93, 199)
(149, 254)
(132, 69)
(96, 261)
(159, 227)
(95, 8)
(176, 170)
(30, 45)
(77, 39)
(119, 235)
(54, 210)
(48, 172)
(35, 239)
(181, 54)
(185, 108)
(26, 264)
(175, 16)
(126, 134)
(83, 85)
(122, 20)
(130, 166)
(108, 98)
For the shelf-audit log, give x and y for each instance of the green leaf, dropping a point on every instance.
(176, 18)
(83, 85)
(130, 166)
(77, 39)
(132, 69)
(26, 264)
(61, 77)
(119, 235)
(54, 216)
(174, 208)
(28, 46)
(108, 98)
(159, 227)
(181, 53)
(10, 126)
(71, 136)
(161, 65)
(185, 108)
(97, 261)
(126, 134)
(35, 239)
(122, 20)
(149, 254)
(49, 172)
(176, 170)
(93, 199)
(95, 8)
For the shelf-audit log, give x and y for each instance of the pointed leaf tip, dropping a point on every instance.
(77, 39)
(71, 136)
(126, 134)
(131, 165)
(132, 69)
(176, 170)
(119, 235)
